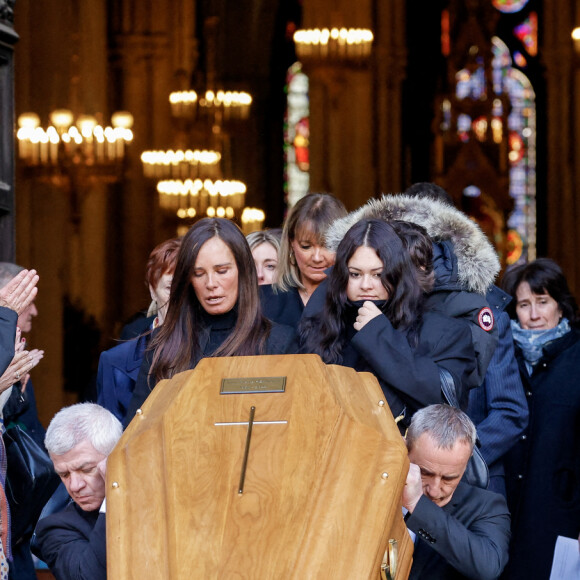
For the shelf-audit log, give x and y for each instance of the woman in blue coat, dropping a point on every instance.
(119, 366)
(543, 468)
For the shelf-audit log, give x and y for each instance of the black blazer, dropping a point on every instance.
(73, 544)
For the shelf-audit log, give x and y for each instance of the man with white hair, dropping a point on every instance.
(73, 542)
(461, 531)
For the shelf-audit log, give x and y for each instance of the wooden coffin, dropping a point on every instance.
(311, 490)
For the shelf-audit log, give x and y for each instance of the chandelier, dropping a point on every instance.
(180, 164)
(192, 183)
(192, 198)
(74, 151)
(231, 104)
(69, 146)
(335, 44)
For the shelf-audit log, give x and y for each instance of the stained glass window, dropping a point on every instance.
(296, 136)
(527, 33)
(521, 129)
(522, 154)
(471, 84)
(509, 5)
(520, 59)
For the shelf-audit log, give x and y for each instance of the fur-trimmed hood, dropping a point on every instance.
(477, 261)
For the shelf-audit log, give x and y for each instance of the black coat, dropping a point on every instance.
(281, 307)
(139, 325)
(467, 538)
(543, 468)
(464, 261)
(281, 340)
(450, 297)
(409, 375)
(72, 543)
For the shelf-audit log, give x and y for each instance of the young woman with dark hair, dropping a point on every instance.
(373, 320)
(214, 308)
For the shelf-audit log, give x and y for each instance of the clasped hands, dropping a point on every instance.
(21, 365)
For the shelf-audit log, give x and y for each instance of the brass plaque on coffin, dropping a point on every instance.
(240, 386)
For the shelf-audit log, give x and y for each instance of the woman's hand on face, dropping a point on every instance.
(366, 313)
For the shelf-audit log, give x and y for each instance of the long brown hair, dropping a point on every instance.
(176, 347)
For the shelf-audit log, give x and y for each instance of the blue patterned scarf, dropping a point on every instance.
(532, 342)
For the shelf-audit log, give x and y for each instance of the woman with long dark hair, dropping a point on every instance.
(214, 308)
(373, 320)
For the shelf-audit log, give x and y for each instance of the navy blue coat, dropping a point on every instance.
(117, 374)
(467, 538)
(8, 320)
(543, 468)
(498, 407)
(73, 544)
(281, 307)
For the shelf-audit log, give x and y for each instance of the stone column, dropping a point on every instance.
(152, 45)
(355, 116)
(562, 66)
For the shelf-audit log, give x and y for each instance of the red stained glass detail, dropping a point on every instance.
(527, 33)
(509, 6)
(445, 42)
